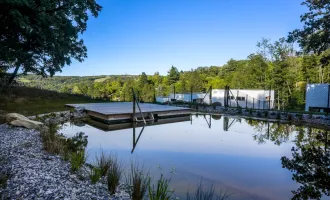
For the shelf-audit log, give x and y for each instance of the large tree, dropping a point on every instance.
(42, 36)
(315, 35)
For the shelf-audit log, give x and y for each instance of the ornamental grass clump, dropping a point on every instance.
(137, 181)
(161, 190)
(203, 192)
(114, 174)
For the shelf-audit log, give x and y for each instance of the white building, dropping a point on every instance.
(258, 99)
(317, 96)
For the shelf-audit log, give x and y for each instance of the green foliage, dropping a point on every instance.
(206, 193)
(114, 175)
(77, 143)
(46, 34)
(161, 191)
(77, 160)
(137, 181)
(95, 175)
(314, 37)
(310, 166)
(173, 75)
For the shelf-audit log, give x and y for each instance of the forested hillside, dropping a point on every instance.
(275, 65)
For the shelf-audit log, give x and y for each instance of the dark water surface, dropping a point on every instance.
(241, 157)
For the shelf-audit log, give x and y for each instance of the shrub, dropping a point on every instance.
(137, 182)
(290, 117)
(95, 175)
(115, 172)
(77, 159)
(52, 142)
(206, 193)
(162, 191)
(77, 142)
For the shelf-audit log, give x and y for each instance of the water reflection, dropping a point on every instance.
(241, 156)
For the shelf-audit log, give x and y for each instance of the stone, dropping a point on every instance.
(27, 123)
(15, 116)
(79, 109)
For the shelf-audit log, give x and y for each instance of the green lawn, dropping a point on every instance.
(31, 101)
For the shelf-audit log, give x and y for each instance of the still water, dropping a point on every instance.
(241, 157)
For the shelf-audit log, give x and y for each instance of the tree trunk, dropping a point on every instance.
(13, 75)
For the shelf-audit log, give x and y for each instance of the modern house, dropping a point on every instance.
(317, 97)
(258, 99)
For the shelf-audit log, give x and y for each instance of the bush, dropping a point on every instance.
(137, 182)
(115, 172)
(77, 159)
(290, 117)
(95, 175)
(162, 191)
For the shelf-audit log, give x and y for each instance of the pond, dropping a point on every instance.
(247, 159)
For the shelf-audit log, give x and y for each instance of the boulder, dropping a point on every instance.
(30, 124)
(15, 116)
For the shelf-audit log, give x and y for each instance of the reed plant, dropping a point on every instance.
(161, 191)
(95, 175)
(203, 192)
(137, 181)
(114, 174)
(103, 162)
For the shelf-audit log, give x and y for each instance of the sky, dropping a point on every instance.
(135, 36)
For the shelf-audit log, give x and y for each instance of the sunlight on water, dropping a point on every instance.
(242, 157)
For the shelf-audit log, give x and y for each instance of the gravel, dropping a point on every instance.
(36, 174)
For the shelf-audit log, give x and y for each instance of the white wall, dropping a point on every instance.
(317, 96)
(251, 100)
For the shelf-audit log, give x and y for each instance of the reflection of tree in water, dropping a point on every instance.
(310, 162)
(216, 117)
(275, 132)
(310, 165)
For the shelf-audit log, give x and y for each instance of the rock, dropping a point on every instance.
(79, 109)
(30, 124)
(15, 116)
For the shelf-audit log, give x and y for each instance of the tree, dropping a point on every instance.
(173, 75)
(315, 36)
(310, 166)
(42, 36)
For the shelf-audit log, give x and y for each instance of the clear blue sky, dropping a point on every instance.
(134, 36)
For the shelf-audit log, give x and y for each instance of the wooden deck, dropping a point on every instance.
(116, 112)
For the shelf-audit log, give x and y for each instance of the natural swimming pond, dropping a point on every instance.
(248, 159)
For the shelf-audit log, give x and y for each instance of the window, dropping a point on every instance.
(240, 98)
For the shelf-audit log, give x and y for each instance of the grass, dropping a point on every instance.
(95, 175)
(104, 162)
(71, 149)
(206, 193)
(33, 101)
(77, 160)
(115, 173)
(137, 181)
(161, 191)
